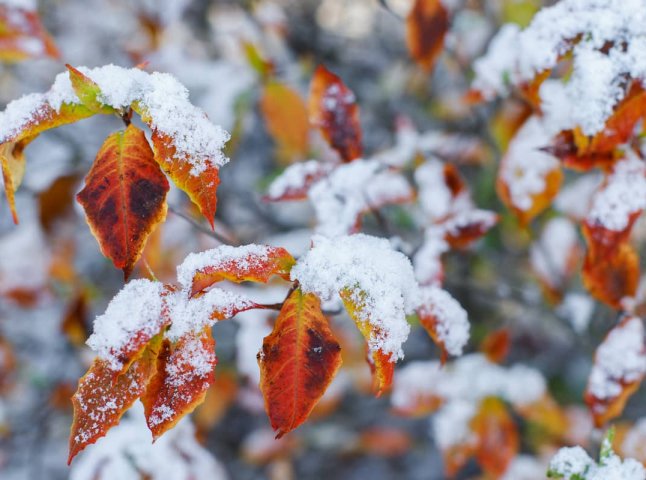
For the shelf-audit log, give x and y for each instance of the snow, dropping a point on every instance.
(492, 70)
(620, 359)
(462, 384)
(133, 314)
(296, 178)
(380, 280)
(452, 323)
(195, 314)
(634, 442)
(408, 142)
(623, 195)
(352, 189)
(24, 259)
(575, 199)
(524, 166)
(577, 308)
(573, 463)
(160, 98)
(451, 424)
(242, 258)
(141, 309)
(461, 219)
(551, 256)
(525, 467)
(21, 4)
(254, 327)
(596, 84)
(434, 195)
(428, 259)
(127, 453)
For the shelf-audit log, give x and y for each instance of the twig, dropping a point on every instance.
(199, 226)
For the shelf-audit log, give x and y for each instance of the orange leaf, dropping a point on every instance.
(381, 365)
(564, 147)
(297, 362)
(296, 180)
(12, 159)
(495, 345)
(103, 395)
(621, 124)
(530, 91)
(619, 367)
(201, 188)
(528, 178)
(539, 201)
(184, 374)
(57, 200)
(23, 36)
(333, 109)
(426, 25)
(236, 264)
(385, 442)
(7, 365)
(464, 228)
(444, 320)
(124, 197)
(285, 116)
(547, 414)
(498, 441)
(611, 266)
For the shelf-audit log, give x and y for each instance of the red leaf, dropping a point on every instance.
(201, 188)
(464, 228)
(295, 181)
(333, 109)
(426, 26)
(297, 362)
(255, 263)
(103, 395)
(611, 266)
(184, 374)
(124, 197)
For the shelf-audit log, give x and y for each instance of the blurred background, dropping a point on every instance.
(54, 280)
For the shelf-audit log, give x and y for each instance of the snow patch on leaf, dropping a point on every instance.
(451, 324)
(159, 97)
(381, 282)
(136, 311)
(623, 195)
(620, 359)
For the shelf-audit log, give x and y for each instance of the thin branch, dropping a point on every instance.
(199, 226)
